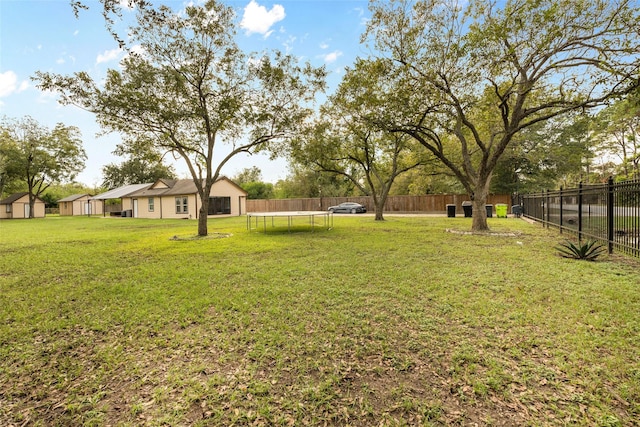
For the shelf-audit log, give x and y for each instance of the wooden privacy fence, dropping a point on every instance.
(430, 203)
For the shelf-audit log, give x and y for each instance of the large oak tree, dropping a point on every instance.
(38, 157)
(187, 87)
(479, 73)
(342, 141)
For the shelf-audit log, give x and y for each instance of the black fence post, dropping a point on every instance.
(561, 209)
(610, 222)
(548, 209)
(580, 212)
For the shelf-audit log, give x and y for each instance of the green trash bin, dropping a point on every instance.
(501, 210)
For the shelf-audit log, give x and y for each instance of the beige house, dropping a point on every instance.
(17, 206)
(79, 204)
(168, 198)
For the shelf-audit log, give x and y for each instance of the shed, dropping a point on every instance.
(80, 204)
(17, 206)
(118, 193)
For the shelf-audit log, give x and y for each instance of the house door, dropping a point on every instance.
(27, 210)
(87, 208)
(135, 208)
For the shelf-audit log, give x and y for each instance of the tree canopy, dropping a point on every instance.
(469, 78)
(617, 131)
(143, 163)
(187, 88)
(250, 179)
(38, 157)
(343, 142)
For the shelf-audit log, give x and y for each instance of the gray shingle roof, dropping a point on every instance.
(74, 197)
(12, 198)
(119, 192)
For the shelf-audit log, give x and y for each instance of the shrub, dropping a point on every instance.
(588, 251)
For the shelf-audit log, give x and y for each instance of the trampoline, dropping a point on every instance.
(314, 218)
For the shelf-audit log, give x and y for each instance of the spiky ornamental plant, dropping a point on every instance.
(588, 251)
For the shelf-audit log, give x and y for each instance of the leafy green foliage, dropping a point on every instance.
(588, 251)
(56, 192)
(250, 179)
(465, 78)
(38, 157)
(344, 142)
(143, 164)
(194, 89)
(617, 130)
(258, 190)
(303, 181)
(547, 155)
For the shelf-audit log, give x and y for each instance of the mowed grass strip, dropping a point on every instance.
(116, 321)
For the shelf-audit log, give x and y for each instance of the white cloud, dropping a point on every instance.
(138, 49)
(332, 57)
(9, 84)
(324, 46)
(288, 43)
(47, 96)
(257, 19)
(108, 55)
(127, 4)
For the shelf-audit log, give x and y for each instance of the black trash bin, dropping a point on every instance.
(489, 211)
(467, 207)
(516, 210)
(451, 211)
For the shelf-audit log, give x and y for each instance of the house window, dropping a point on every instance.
(182, 205)
(151, 204)
(219, 205)
(9, 208)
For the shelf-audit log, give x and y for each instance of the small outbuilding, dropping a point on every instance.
(79, 204)
(116, 195)
(17, 206)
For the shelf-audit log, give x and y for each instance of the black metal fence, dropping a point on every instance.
(606, 212)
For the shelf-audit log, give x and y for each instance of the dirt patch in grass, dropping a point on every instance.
(210, 236)
(489, 233)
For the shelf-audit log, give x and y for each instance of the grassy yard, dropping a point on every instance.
(114, 321)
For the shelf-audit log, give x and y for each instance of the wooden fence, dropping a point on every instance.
(430, 203)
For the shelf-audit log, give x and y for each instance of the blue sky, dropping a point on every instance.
(44, 35)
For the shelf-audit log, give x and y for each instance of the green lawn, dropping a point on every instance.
(113, 321)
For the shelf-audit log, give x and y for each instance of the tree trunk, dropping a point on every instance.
(203, 213)
(379, 211)
(480, 196)
(32, 206)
